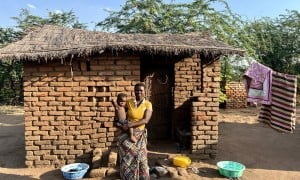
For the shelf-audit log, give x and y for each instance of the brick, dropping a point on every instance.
(42, 162)
(81, 147)
(32, 158)
(39, 94)
(64, 108)
(81, 108)
(47, 118)
(79, 99)
(211, 123)
(56, 84)
(56, 113)
(50, 157)
(48, 147)
(204, 127)
(197, 142)
(81, 137)
(100, 145)
(89, 131)
(57, 133)
(43, 133)
(65, 147)
(182, 172)
(49, 137)
(67, 99)
(99, 135)
(62, 152)
(81, 78)
(66, 137)
(31, 99)
(108, 124)
(211, 141)
(32, 148)
(98, 173)
(56, 94)
(32, 138)
(112, 159)
(71, 84)
(96, 161)
(113, 172)
(211, 132)
(204, 137)
(41, 152)
(173, 172)
(47, 99)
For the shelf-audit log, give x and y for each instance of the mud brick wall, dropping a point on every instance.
(67, 107)
(68, 112)
(196, 98)
(236, 95)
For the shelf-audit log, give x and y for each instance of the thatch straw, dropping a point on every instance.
(52, 42)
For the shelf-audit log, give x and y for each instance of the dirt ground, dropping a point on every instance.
(266, 153)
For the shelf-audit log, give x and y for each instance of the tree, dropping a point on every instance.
(155, 16)
(276, 42)
(11, 72)
(26, 20)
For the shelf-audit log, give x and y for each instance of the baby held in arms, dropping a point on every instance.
(120, 107)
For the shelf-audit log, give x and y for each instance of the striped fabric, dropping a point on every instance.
(133, 156)
(281, 114)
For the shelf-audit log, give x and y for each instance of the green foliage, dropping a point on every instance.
(222, 97)
(273, 42)
(11, 84)
(277, 41)
(7, 35)
(26, 20)
(11, 72)
(155, 16)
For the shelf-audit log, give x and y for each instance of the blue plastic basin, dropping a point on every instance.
(74, 171)
(231, 169)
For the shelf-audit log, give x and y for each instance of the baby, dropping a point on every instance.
(120, 106)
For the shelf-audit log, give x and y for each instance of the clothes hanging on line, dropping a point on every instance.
(258, 80)
(281, 113)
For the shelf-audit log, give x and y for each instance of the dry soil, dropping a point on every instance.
(266, 153)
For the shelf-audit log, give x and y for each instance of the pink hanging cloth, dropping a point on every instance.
(258, 80)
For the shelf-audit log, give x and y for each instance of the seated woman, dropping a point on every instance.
(133, 156)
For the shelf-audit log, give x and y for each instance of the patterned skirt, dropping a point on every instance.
(133, 156)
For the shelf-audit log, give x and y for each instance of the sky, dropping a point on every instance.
(93, 11)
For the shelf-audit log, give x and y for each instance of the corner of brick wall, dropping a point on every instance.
(203, 106)
(236, 95)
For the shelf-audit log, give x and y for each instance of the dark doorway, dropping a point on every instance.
(158, 74)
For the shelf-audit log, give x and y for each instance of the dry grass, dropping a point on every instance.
(7, 109)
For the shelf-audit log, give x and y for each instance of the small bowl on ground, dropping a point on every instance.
(74, 171)
(231, 169)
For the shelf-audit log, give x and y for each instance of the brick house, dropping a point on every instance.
(70, 76)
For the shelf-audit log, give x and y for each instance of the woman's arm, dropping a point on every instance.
(145, 120)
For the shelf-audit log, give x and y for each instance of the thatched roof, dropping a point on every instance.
(52, 42)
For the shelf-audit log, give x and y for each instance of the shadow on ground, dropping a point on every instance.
(15, 177)
(255, 145)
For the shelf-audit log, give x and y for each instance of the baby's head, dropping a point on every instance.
(121, 99)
